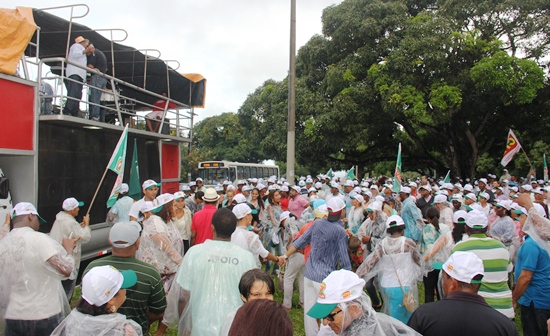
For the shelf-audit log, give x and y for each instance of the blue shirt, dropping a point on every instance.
(329, 247)
(532, 257)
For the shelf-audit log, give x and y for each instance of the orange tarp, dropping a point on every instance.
(16, 30)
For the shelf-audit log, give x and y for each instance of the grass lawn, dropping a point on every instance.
(296, 314)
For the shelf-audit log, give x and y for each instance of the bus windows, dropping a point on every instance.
(253, 172)
(232, 174)
(246, 173)
(240, 173)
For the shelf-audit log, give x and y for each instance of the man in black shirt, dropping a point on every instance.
(463, 311)
(425, 199)
(98, 63)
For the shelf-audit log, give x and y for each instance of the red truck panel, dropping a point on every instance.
(16, 115)
(170, 161)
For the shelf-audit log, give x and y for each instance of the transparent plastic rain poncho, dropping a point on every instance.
(31, 267)
(78, 324)
(375, 228)
(207, 287)
(399, 267)
(538, 228)
(504, 230)
(412, 216)
(371, 322)
(161, 246)
(440, 250)
(355, 218)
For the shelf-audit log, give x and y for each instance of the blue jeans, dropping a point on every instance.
(99, 82)
(74, 90)
(533, 320)
(33, 327)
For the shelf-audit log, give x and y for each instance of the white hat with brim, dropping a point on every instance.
(102, 283)
(210, 195)
(464, 267)
(335, 205)
(394, 221)
(149, 184)
(71, 203)
(338, 287)
(241, 210)
(124, 234)
(239, 198)
(25, 208)
(476, 219)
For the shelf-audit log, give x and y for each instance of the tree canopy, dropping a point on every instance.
(447, 79)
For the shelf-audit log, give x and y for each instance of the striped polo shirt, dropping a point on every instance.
(496, 261)
(147, 295)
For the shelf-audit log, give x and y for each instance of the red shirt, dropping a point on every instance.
(284, 203)
(307, 249)
(202, 223)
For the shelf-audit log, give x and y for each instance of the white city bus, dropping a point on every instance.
(214, 172)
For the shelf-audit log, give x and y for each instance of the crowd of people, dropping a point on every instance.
(203, 260)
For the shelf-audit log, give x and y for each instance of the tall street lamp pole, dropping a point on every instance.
(291, 128)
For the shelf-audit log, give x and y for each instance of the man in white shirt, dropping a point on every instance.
(76, 75)
(66, 226)
(150, 191)
(31, 267)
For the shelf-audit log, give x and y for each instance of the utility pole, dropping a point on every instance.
(291, 127)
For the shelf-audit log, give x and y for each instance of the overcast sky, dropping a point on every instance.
(235, 44)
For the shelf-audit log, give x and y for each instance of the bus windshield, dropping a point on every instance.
(213, 176)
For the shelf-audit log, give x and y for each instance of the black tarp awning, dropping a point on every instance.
(129, 62)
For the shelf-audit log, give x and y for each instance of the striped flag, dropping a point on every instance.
(397, 175)
(116, 164)
(512, 147)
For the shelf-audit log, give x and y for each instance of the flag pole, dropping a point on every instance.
(104, 174)
(97, 190)
(529, 161)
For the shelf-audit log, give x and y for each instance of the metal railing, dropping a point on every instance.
(178, 120)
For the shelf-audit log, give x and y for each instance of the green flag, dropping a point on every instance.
(116, 164)
(351, 174)
(447, 177)
(397, 175)
(134, 186)
(545, 168)
(330, 174)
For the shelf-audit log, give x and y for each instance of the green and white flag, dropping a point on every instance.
(545, 168)
(116, 164)
(351, 174)
(330, 174)
(397, 175)
(134, 185)
(447, 177)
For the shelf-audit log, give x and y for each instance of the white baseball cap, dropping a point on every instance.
(284, 215)
(468, 187)
(464, 266)
(239, 198)
(179, 194)
(284, 188)
(339, 286)
(102, 283)
(260, 186)
(335, 204)
(246, 188)
(71, 203)
(123, 188)
(413, 184)
(527, 187)
(297, 189)
(476, 219)
(459, 217)
(440, 199)
(359, 198)
(162, 199)
(405, 190)
(25, 208)
(124, 234)
(427, 187)
(374, 206)
(240, 210)
(318, 185)
(151, 183)
(394, 221)
(312, 189)
(471, 196)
